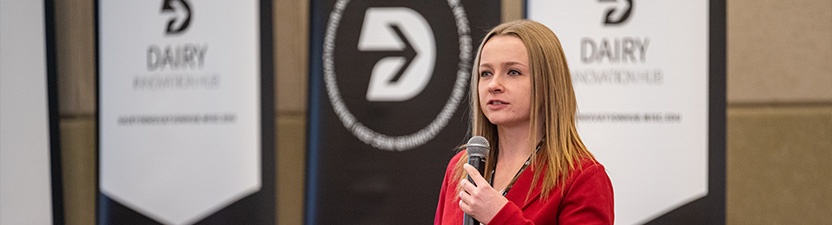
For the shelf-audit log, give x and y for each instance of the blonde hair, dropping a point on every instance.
(552, 100)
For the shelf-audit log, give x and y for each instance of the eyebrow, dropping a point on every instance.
(488, 65)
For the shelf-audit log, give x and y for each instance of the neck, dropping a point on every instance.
(514, 141)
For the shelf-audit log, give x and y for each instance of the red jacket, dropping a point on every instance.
(587, 199)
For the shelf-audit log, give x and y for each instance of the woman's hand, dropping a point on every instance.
(481, 202)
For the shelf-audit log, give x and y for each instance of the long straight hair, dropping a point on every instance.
(552, 101)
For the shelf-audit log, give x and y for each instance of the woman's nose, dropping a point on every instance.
(495, 85)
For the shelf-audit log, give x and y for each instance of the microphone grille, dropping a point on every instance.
(477, 146)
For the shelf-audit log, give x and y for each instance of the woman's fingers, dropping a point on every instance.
(475, 175)
(465, 207)
(467, 190)
(465, 198)
(480, 201)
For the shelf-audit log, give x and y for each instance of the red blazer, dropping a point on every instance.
(587, 199)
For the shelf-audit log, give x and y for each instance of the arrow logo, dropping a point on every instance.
(406, 35)
(407, 53)
(183, 10)
(619, 13)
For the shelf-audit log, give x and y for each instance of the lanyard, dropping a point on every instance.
(526, 164)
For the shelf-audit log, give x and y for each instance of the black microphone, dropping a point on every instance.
(477, 150)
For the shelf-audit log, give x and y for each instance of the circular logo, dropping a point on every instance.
(425, 134)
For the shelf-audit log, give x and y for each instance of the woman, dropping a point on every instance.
(540, 172)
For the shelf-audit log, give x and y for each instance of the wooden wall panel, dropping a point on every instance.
(291, 22)
(75, 49)
(779, 51)
(78, 169)
(779, 169)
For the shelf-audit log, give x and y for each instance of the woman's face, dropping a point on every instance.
(504, 85)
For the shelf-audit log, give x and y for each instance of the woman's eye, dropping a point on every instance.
(485, 73)
(514, 72)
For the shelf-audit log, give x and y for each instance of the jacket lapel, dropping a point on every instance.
(521, 187)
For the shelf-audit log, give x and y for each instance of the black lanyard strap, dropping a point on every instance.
(525, 165)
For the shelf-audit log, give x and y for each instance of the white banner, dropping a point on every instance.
(25, 188)
(640, 71)
(180, 131)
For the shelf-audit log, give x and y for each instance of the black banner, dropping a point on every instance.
(388, 105)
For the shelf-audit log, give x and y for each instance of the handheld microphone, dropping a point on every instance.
(477, 148)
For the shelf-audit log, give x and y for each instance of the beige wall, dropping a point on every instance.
(779, 128)
(75, 48)
(779, 122)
